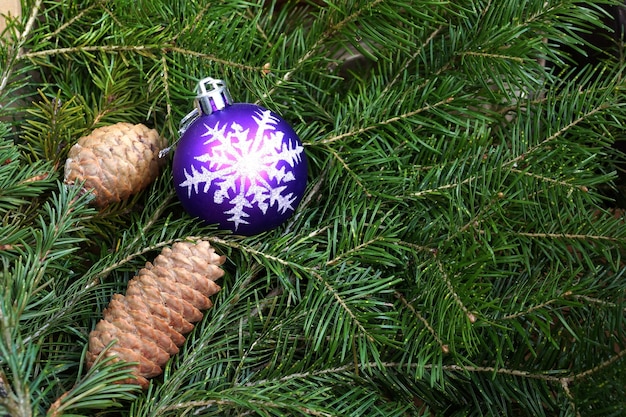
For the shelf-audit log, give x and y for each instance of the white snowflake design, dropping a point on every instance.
(243, 167)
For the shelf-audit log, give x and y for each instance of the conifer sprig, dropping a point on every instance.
(456, 253)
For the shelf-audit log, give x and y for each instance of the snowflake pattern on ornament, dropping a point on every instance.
(244, 167)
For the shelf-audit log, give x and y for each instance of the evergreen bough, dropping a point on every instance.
(458, 251)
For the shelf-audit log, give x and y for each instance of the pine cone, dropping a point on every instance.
(115, 161)
(159, 307)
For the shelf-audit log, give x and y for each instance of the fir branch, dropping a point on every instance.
(413, 57)
(213, 58)
(584, 237)
(344, 305)
(17, 51)
(166, 87)
(601, 366)
(444, 347)
(191, 25)
(101, 272)
(597, 301)
(568, 393)
(538, 306)
(444, 187)
(254, 403)
(312, 272)
(103, 386)
(516, 59)
(318, 44)
(581, 118)
(85, 49)
(147, 50)
(355, 249)
(421, 217)
(350, 171)
(553, 377)
(400, 118)
(31, 21)
(546, 179)
(444, 275)
(74, 19)
(308, 198)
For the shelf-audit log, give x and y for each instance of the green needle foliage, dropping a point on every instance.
(458, 251)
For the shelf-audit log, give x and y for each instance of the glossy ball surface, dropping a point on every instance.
(242, 167)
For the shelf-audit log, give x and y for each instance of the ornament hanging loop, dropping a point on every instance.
(186, 121)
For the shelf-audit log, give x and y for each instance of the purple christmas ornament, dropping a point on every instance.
(238, 165)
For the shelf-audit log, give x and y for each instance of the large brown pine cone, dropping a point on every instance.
(160, 305)
(115, 161)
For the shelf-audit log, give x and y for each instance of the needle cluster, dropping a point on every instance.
(458, 251)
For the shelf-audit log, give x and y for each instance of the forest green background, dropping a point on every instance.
(458, 250)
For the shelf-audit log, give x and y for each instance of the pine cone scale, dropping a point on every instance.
(115, 161)
(145, 318)
(145, 368)
(148, 324)
(127, 320)
(159, 312)
(153, 293)
(134, 340)
(108, 332)
(173, 287)
(194, 281)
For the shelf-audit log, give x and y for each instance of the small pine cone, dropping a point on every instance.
(161, 303)
(115, 161)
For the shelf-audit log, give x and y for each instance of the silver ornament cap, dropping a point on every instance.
(211, 95)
